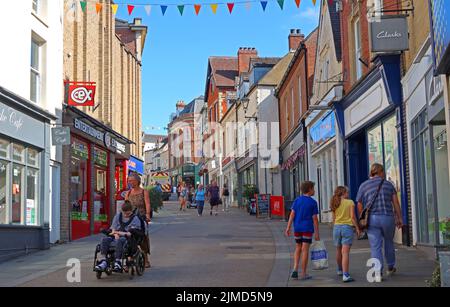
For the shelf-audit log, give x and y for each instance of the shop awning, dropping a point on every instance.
(292, 160)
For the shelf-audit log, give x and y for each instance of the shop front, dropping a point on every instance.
(96, 170)
(325, 160)
(24, 175)
(370, 118)
(294, 168)
(247, 174)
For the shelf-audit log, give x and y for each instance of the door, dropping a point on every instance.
(55, 207)
(319, 190)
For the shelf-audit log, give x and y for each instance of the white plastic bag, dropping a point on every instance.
(319, 256)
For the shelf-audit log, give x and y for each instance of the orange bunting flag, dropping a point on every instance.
(197, 8)
(297, 2)
(130, 9)
(214, 8)
(98, 7)
(314, 2)
(114, 8)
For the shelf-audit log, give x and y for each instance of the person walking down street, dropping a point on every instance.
(178, 191)
(214, 197)
(304, 217)
(380, 197)
(183, 196)
(225, 198)
(200, 199)
(344, 220)
(140, 200)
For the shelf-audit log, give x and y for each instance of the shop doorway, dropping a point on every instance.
(101, 208)
(319, 191)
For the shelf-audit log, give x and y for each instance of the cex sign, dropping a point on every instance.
(80, 94)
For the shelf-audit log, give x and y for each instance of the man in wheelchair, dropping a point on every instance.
(125, 234)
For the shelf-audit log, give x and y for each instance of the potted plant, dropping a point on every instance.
(250, 190)
(155, 198)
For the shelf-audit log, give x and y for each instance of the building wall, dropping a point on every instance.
(325, 58)
(93, 52)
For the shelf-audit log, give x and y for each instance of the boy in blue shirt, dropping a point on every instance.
(304, 214)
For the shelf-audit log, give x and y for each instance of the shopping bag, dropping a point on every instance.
(319, 256)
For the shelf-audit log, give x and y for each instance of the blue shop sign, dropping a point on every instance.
(323, 131)
(440, 15)
(136, 165)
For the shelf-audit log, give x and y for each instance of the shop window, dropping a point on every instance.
(375, 140)
(19, 184)
(79, 181)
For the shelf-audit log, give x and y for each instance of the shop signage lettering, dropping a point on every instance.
(61, 136)
(111, 143)
(389, 34)
(81, 94)
(10, 117)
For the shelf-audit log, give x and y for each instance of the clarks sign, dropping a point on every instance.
(389, 34)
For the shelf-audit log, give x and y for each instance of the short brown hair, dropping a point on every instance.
(127, 206)
(307, 187)
(376, 169)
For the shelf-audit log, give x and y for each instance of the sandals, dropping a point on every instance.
(306, 277)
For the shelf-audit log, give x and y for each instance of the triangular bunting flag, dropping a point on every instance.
(214, 8)
(297, 2)
(130, 9)
(181, 9)
(98, 7)
(230, 7)
(83, 5)
(281, 3)
(163, 9)
(314, 2)
(148, 9)
(264, 5)
(197, 8)
(114, 8)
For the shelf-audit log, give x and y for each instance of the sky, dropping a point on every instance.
(177, 47)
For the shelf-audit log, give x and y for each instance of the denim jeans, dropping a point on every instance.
(120, 246)
(382, 230)
(200, 206)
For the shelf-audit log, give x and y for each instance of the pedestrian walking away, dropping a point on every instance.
(183, 196)
(140, 200)
(380, 197)
(225, 198)
(345, 224)
(214, 197)
(304, 217)
(200, 199)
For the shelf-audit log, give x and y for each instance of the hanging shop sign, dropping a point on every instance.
(105, 137)
(323, 131)
(389, 34)
(61, 136)
(137, 165)
(440, 15)
(80, 94)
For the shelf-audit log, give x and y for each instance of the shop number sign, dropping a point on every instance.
(81, 94)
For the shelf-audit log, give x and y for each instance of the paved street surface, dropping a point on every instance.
(232, 249)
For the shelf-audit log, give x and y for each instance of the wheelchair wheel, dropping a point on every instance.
(140, 264)
(99, 275)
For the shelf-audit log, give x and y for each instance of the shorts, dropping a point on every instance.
(343, 235)
(303, 237)
(214, 202)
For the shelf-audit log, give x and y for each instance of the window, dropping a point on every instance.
(35, 74)
(287, 115)
(36, 6)
(19, 184)
(300, 99)
(292, 106)
(378, 7)
(358, 52)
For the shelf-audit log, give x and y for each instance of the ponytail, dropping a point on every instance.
(337, 198)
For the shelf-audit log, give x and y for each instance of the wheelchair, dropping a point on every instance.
(133, 266)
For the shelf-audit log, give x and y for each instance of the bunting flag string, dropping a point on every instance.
(197, 7)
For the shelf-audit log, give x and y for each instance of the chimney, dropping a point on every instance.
(180, 106)
(244, 56)
(295, 39)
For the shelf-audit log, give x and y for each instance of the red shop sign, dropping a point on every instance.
(277, 206)
(81, 94)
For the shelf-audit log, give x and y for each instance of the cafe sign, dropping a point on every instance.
(389, 34)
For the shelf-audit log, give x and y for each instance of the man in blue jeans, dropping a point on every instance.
(385, 214)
